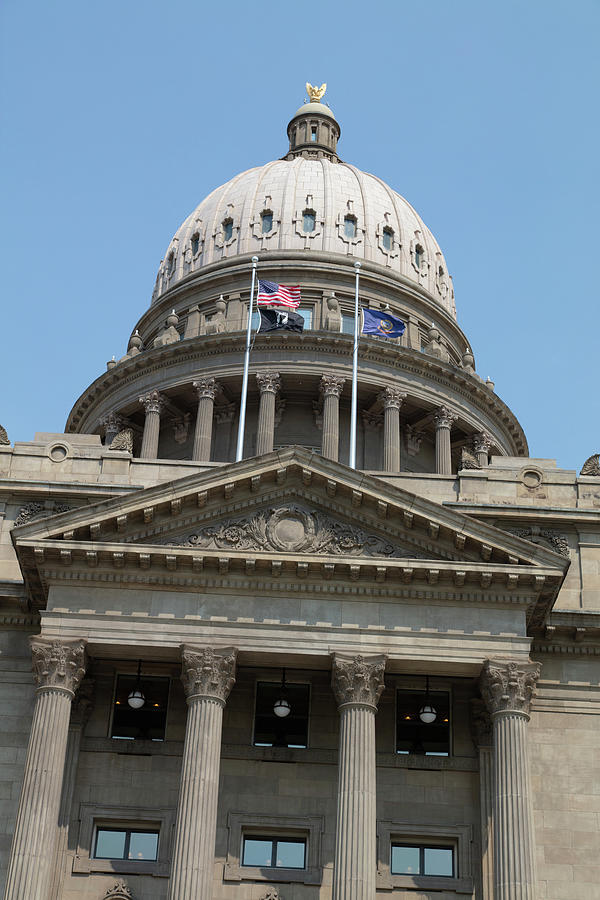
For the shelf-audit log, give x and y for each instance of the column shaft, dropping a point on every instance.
(268, 384)
(443, 457)
(391, 439)
(207, 389)
(331, 388)
(355, 866)
(486, 780)
(152, 403)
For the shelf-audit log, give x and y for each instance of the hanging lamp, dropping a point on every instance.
(427, 713)
(136, 697)
(282, 707)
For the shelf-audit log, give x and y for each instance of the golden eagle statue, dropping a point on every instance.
(315, 93)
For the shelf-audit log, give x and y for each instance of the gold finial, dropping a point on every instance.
(315, 93)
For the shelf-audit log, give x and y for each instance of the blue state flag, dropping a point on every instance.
(383, 324)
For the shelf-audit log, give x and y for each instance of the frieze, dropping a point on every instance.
(38, 511)
(292, 529)
(551, 539)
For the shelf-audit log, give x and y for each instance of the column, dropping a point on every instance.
(481, 729)
(80, 713)
(331, 388)
(207, 389)
(392, 401)
(482, 443)
(58, 667)
(153, 404)
(113, 424)
(507, 688)
(443, 419)
(357, 683)
(208, 676)
(268, 385)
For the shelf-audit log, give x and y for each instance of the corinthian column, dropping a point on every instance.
(357, 684)
(392, 401)
(482, 443)
(331, 388)
(268, 385)
(153, 404)
(507, 688)
(443, 419)
(58, 667)
(207, 389)
(481, 729)
(208, 676)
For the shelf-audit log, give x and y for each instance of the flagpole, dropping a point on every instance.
(353, 415)
(242, 424)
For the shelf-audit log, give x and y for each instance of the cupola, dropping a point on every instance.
(313, 131)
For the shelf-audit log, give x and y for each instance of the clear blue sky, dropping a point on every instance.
(119, 117)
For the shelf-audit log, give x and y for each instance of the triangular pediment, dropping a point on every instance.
(295, 508)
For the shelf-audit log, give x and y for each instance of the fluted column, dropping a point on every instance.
(357, 683)
(207, 389)
(443, 418)
(208, 676)
(507, 688)
(481, 728)
(392, 401)
(58, 667)
(331, 388)
(153, 404)
(268, 384)
(482, 443)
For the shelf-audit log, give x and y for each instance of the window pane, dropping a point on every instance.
(143, 845)
(405, 860)
(350, 227)
(414, 736)
(195, 244)
(347, 324)
(290, 854)
(147, 723)
(255, 321)
(267, 222)
(271, 730)
(308, 222)
(228, 230)
(313, 133)
(257, 852)
(307, 316)
(110, 844)
(438, 861)
(387, 239)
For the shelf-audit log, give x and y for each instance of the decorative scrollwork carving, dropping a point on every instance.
(58, 664)
(392, 398)
(358, 679)
(3, 435)
(119, 891)
(38, 511)
(467, 460)
(591, 466)
(206, 672)
(332, 385)
(268, 382)
(123, 440)
(207, 388)
(551, 539)
(508, 686)
(152, 402)
(482, 442)
(444, 417)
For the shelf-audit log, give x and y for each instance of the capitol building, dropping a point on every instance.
(292, 668)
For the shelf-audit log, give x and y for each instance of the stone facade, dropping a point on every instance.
(448, 576)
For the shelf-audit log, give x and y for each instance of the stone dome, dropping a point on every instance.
(319, 205)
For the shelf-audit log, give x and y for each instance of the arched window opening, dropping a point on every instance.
(293, 141)
(227, 229)
(350, 227)
(313, 133)
(418, 256)
(388, 238)
(266, 218)
(309, 220)
(195, 243)
(170, 262)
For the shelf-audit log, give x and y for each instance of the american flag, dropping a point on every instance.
(280, 294)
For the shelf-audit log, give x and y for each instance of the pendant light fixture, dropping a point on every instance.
(427, 713)
(136, 697)
(282, 707)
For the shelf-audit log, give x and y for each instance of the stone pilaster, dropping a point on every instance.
(482, 443)
(443, 418)
(331, 388)
(58, 667)
(207, 389)
(481, 729)
(208, 676)
(269, 384)
(153, 404)
(357, 683)
(392, 401)
(507, 688)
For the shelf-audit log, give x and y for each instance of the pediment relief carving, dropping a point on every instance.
(292, 528)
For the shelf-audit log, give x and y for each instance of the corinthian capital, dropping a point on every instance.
(444, 417)
(332, 385)
(268, 382)
(207, 388)
(206, 672)
(508, 686)
(358, 679)
(152, 402)
(392, 398)
(58, 664)
(482, 442)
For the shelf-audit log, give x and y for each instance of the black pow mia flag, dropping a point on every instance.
(280, 320)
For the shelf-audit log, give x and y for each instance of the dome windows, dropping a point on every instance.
(313, 133)
(387, 238)
(419, 256)
(227, 229)
(195, 242)
(171, 263)
(309, 220)
(350, 226)
(266, 220)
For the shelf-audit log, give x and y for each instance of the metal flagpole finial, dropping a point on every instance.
(254, 260)
(357, 264)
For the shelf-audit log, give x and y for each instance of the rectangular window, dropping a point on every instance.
(275, 853)
(271, 730)
(413, 735)
(125, 843)
(309, 221)
(419, 859)
(267, 222)
(148, 722)
(307, 315)
(313, 133)
(348, 323)
(350, 226)
(227, 230)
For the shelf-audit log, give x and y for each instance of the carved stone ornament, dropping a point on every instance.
(590, 467)
(181, 428)
(482, 442)
(123, 440)
(152, 402)
(268, 382)
(358, 679)
(444, 417)
(206, 672)
(392, 398)
(83, 702)
(3, 435)
(119, 891)
(332, 385)
(291, 529)
(481, 724)
(207, 388)
(271, 894)
(371, 421)
(508, 686)
(38, 511)
(414, 439)
(551, 539)
(468, 461)
(58, 664)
